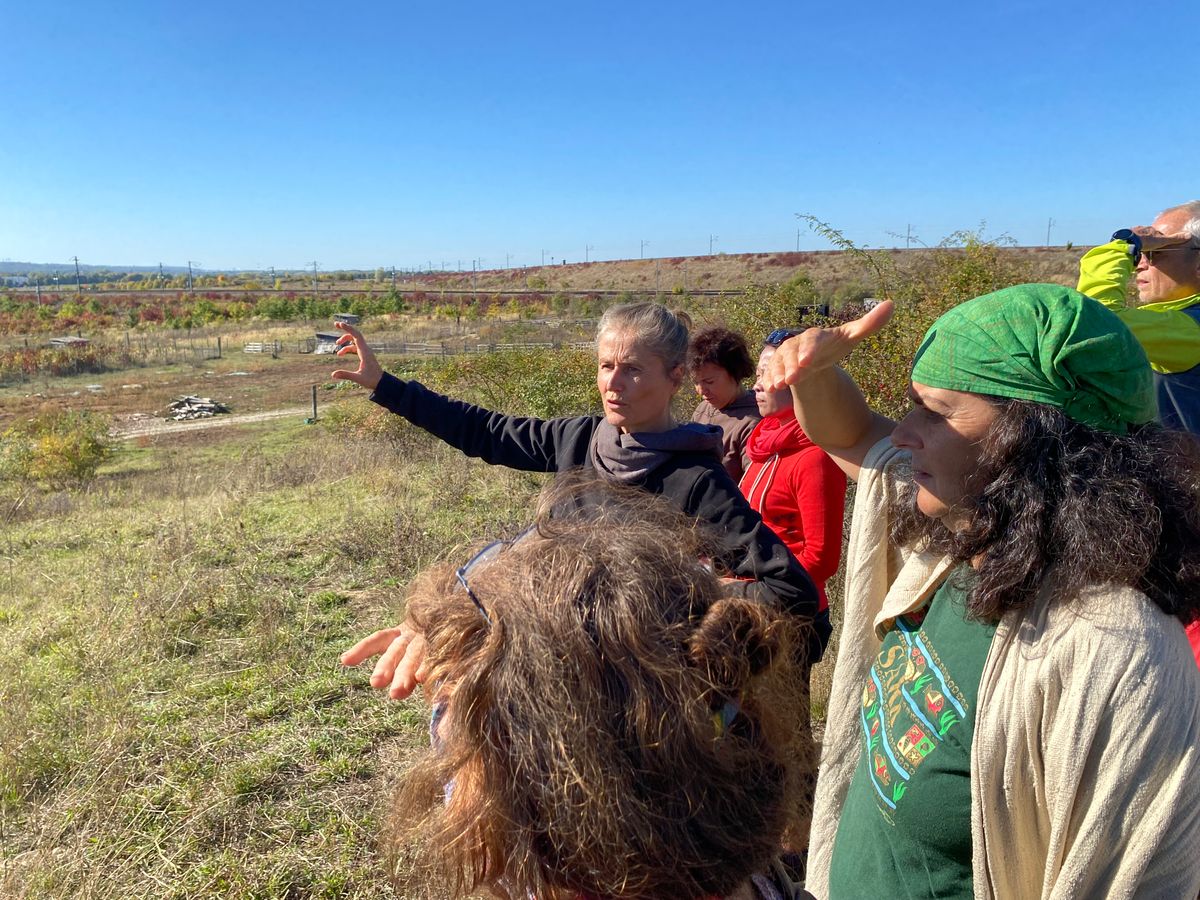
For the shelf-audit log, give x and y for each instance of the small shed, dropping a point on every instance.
(327, 341)
(346, 318)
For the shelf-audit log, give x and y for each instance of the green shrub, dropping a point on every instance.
(761, 308)
(964, 265)
(57, 449)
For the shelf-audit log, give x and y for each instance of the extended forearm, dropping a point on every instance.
(833, 412)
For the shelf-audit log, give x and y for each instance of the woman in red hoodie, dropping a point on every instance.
(793, 484)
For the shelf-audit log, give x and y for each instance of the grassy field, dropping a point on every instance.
(173, 719)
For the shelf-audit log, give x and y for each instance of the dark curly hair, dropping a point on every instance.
(616, 727)
(1057, 503)
(721, 347)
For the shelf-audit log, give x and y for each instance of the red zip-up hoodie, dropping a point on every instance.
(799, 492)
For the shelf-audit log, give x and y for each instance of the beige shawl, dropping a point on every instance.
(1085, 766)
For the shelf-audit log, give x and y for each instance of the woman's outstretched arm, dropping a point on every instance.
(518, 442)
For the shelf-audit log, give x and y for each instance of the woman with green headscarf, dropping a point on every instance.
(1015, 711)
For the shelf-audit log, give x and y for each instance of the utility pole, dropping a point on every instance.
(797, 240)
(908, 237)
(1049, 225)
(272, 276)
(711, 239)
(191, 286)
(507, 259)
(161, 277)
(394, 278)
(587, 249)
(642, 250)
(78, 287)
(543, 257)
(314, 277)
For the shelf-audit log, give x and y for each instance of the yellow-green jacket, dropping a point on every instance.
(1169, 332)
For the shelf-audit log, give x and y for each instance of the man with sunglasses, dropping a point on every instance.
(1164, 259)
(1166, 321)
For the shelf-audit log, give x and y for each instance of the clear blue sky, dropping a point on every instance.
(364, 134)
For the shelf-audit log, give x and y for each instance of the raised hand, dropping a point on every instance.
(369, 371)
(401, 664)
(818, 349)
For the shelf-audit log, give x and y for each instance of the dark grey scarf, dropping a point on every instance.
(629, 458)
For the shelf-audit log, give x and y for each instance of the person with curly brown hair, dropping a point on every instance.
(1014, 711)
(719, 362)
(610, 724)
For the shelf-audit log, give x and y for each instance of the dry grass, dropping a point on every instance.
(173, 721)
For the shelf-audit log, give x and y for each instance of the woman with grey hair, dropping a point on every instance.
(641, 351)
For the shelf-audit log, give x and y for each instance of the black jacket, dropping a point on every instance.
(697, 482)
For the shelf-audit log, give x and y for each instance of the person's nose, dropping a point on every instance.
(905, 435)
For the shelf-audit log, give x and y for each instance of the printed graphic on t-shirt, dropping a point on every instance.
(909, 705)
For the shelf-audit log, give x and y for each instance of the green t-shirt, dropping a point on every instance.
(905, 829)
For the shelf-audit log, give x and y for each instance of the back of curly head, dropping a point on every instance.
(580, 728)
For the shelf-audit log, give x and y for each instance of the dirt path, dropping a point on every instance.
(143, 425)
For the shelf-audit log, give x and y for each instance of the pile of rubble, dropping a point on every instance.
(194, 408)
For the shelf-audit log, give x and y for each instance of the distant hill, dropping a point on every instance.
(829, 270)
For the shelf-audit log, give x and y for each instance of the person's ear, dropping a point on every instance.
(676, 375)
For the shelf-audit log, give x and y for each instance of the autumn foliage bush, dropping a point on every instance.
(964, 265)
(25, 363)
(57, 449)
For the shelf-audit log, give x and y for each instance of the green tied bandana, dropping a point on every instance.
(1046, 343)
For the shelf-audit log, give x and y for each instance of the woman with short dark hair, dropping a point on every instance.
(719, 362)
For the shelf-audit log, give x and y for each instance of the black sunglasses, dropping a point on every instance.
(779, 335)
(1149, 255)
(490, 552)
